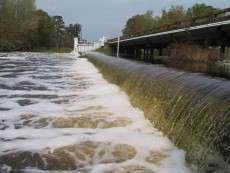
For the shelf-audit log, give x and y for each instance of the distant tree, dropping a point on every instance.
(14, 15)
(74, 30)
(25, 8)
(147, 21)
(19, 9)
(60, 28)
(22, 27)
(175, 13)
(46, 29)
(140, 23)
(200, 10)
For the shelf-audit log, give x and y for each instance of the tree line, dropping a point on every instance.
(23, 27)
(147, 21)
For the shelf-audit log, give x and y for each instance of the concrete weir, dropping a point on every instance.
(192, 109)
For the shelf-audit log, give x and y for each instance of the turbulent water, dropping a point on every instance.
(58, 114)
(192, 109)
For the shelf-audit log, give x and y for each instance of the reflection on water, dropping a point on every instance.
(58, 114)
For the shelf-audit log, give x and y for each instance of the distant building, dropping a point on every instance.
(83, 46)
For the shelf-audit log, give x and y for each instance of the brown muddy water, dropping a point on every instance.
(59, 115)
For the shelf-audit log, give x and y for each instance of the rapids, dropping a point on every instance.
(58, 114)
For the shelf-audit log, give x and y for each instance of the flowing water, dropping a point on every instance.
(58, 114)
(192, 109)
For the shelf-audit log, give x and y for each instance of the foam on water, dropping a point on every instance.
(73, 94)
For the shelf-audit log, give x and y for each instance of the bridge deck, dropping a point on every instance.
(215, 20)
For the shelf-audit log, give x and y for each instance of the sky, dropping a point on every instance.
(108, 17)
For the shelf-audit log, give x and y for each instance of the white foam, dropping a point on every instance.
(97, 92)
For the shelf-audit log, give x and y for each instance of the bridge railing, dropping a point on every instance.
(218, 16)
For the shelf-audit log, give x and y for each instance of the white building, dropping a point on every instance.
(83, 48)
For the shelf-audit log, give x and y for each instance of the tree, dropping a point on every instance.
(19, 9)
(60, 27)
(140, 23)
(175, 13)
(15, 15)
(147, 21)
(200, 10)
(46, 29)
(74, 30)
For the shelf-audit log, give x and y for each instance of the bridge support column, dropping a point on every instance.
(139, 54)
(132, 52)
(222, 52)
(160, 52)
(168, 51)
(147, 55)
(144, 56)
(135, 53)
(126, 52)
(151, 54)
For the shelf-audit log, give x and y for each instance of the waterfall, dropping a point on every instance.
(191, 109)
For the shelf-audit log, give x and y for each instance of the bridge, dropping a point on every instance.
(210, 30)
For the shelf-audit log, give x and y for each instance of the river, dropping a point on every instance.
(58, 114)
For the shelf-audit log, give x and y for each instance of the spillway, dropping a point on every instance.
(192, 109)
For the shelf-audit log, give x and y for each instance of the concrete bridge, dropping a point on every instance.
(211, 30)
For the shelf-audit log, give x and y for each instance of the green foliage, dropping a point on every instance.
(46, 29)
(175, 13)
(200, 10)
(6, 45)
(140, 23)
(19, 9)
(22, 27)
(147, 21)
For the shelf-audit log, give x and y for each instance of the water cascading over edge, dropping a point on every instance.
(192, 109)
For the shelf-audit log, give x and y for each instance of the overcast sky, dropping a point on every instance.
(108, 17)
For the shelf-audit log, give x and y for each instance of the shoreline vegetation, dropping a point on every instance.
(23, 27)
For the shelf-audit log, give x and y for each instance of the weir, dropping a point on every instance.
(191, 109)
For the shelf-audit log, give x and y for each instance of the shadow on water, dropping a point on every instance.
(191, 108)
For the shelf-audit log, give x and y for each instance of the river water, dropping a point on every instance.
(58, 114)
